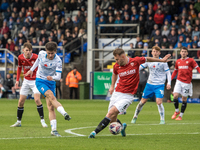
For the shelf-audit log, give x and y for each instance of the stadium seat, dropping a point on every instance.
(11, 58)
(1, 56)
(60, 55)
(67, 57)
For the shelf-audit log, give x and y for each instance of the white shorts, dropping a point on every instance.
(182, 88)
(28, 87)
(120, 100)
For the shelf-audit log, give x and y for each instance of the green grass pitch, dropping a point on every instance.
(146, 134)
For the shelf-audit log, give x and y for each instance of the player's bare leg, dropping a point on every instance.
(40, 109)
(50, 97)
(176, 105)
(52, 118)
(183, 107)
(20, 111)
(111, 116)
(161, 110)
(138, 109)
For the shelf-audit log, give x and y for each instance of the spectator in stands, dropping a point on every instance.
(4, 6)
(20, 43)
(118, 21)
(149, 25)
(44, 40)
(60, 5)
(79, 4)
(41, 24)
(41, 44)
(54, 38)
(193, 53)
(195, 39)
(138, 52)
(10, 45)
(14, 88)
(165, 42)
(1, 45)
(174, 25)
(142, 26)
(8, 83)
(131, 52)
(4, 40)
(43, 34)
(17, 51)
(196, 32)
(62, 24)
(20, 36)
(4, 29)
(73, 5)
(24, 31)
(144, 52)
(34, 43)
(159, 17)
(181, 34)
(80, 17)
(69, 24)
(82, 32)
(187, 42)
(176, 19)
(157, 42)
(142, 83)
(31, 33)
(165, 31)
(67, 6)
(157, 35)
(153, 33)
(11, 24)
(72, 81)
(197, 6)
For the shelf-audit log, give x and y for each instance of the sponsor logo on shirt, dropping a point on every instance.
(45, 65)
(125, 73)
(132, 64)
(27, 67)
(182, 67)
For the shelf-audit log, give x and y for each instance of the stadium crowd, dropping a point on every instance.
(167, 23)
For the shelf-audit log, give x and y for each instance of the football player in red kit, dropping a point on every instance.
(26, 60)
(183, 86)
(122, 96)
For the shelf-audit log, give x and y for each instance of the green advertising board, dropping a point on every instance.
(102, 82)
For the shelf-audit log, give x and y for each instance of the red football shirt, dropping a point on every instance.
(184, 68)
(129, 75)
(26, 64)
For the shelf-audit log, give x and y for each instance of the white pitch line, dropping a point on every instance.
(70, 130)
(73, 133)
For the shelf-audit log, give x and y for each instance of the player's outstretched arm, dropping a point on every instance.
(165, 59)
(29, 73)
(112, 87)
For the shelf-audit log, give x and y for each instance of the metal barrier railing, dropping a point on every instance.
(5, 59)
(102, 60)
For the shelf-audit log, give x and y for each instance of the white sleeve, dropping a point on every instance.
(35, 65)
(142, 66)
(57, 76)
(168, 77)
(166, 67)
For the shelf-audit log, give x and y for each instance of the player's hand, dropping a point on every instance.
(17, 84)
(168, 87)
(165, 59)
(29, 73)
(111, 90)
(49, 78)
(61, 80)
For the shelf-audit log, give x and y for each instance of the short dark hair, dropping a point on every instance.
(118, 51)
(51, 46)
(156, 48)
(28, 45)
(184, 48)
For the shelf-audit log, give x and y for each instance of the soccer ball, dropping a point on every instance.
(115, 128)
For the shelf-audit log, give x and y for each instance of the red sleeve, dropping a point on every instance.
(19, 69)
(194, 64)
(175, 71)
(140, 60)
(114, 69)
